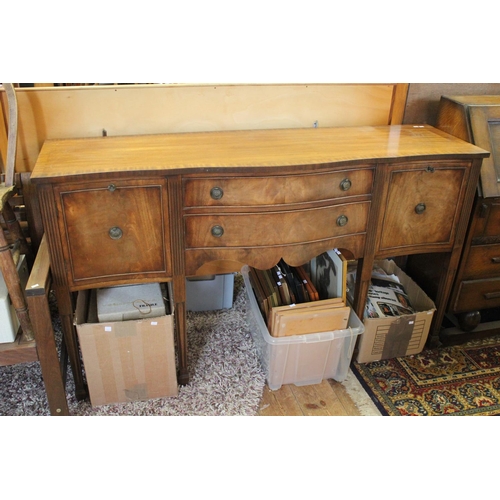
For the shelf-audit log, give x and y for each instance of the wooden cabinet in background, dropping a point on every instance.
(476, 290)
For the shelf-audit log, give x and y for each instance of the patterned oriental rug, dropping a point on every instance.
(457, 380)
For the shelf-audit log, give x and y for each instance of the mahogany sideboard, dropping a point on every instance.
(135, 209)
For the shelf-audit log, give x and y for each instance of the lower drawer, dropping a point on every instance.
(275, 228)
(483, 262)
(477, 294)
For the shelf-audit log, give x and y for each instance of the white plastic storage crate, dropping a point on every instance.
(209, 293)
(9, 322)
(301, 359)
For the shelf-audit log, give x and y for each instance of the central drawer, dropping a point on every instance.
(276, 190)
(275, 228)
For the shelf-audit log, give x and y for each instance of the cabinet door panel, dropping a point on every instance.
(422, 207)
(114, 230)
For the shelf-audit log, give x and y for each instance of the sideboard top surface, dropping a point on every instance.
(185, 152)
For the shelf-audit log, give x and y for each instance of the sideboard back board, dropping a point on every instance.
(112, 110)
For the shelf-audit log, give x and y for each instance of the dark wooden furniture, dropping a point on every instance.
(476, 290)
(120, 210)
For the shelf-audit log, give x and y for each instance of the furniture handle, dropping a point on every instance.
(342, 220)
(430, 169)
(216, 193)
(495, 260)
(483, 211)
(491, 295)
(217, 231)
(111, 188)
(345, 184)
(115, 233)
(420, 208)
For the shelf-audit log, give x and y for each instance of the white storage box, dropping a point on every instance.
(209, 293)
(9, 322)
(121, 303)
(301, 359)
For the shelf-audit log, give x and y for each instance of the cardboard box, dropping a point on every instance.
(391, 337)
(9, 322)
(301, 359)
(125, 361)
(209, 293)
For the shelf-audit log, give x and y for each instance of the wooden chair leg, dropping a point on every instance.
(17, 235)
(47, 355)
(13, 283)
(37, 296)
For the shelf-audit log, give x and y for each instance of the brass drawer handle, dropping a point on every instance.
(495, 260)
(342, 220)
(111, 188)
(115, 233)
(420, 208)
(216, 193)
(217, 231)
(345, 184)
(491, 295)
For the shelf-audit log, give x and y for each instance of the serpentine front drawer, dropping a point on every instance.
(275, 228)
(276, 190)
(114, 229)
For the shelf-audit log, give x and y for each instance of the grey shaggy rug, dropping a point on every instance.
(226, 377)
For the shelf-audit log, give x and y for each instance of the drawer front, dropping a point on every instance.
(114, 230)
(275, 228)
(483, 261)
(478, 294)
(487, 216)
(422, 207)
(277, 190)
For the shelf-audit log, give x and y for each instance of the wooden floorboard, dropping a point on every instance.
(329, 398)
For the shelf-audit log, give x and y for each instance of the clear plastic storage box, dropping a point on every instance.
(301, 359)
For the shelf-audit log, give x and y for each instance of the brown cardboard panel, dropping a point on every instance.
(405, 335)
(128, 360)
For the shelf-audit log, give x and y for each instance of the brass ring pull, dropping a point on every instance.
(217, 231)
(342, 220)
(216, 193)
(115, 233)
(420, 208)
(345, 184)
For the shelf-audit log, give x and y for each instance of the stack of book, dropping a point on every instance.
(291, 303)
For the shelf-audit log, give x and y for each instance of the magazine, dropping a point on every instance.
(387, 297)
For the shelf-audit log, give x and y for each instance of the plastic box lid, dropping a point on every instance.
(128, 302)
